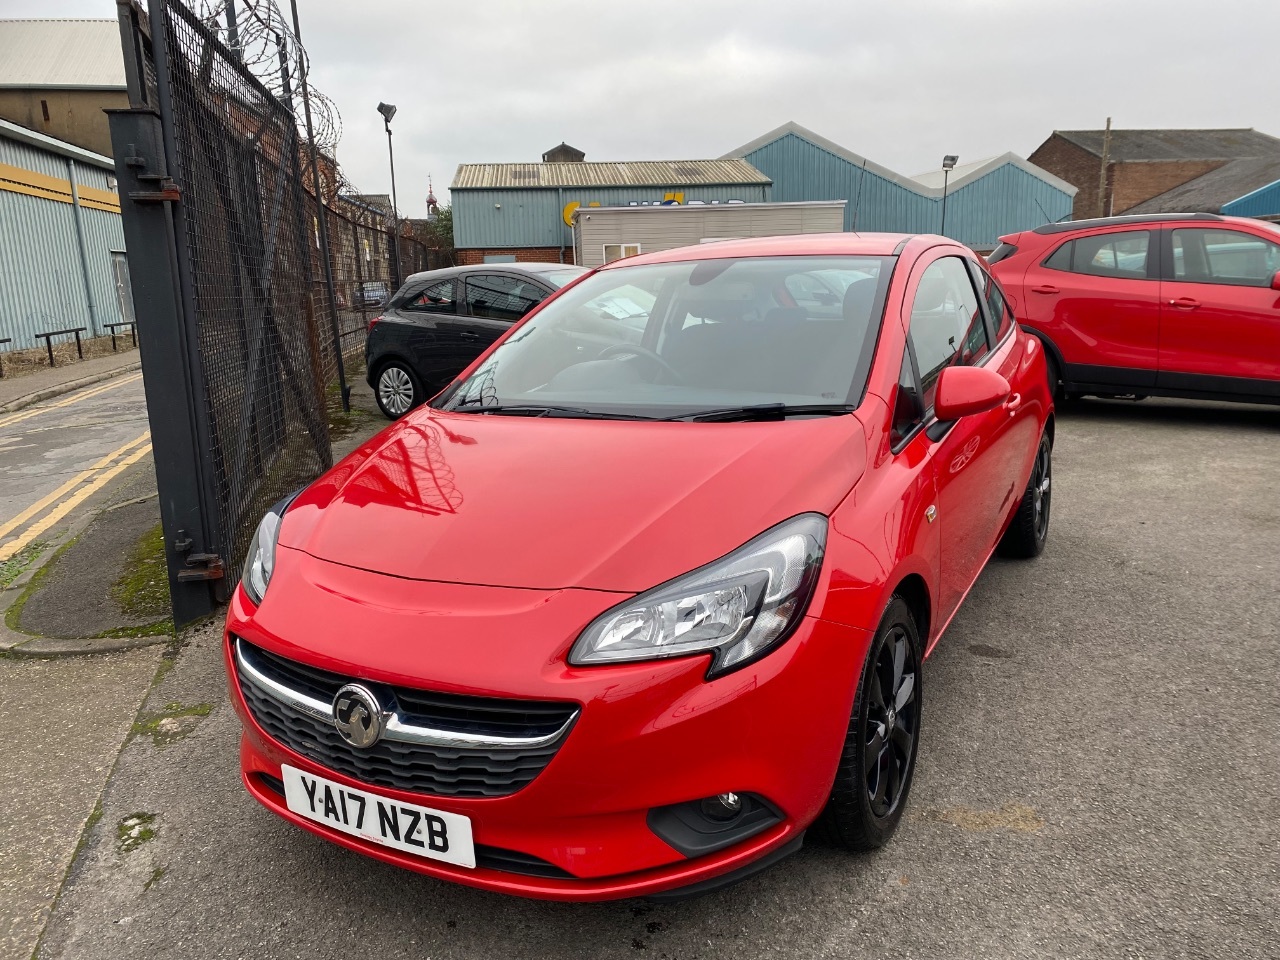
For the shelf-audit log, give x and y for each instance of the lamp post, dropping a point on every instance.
(948, 164)
(388, 110)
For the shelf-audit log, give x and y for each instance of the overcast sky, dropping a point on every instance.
(901, 81)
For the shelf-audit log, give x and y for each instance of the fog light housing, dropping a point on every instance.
(722, 807)
(699, 827)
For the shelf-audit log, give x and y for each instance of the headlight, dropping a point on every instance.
(261, 559)
(736, 608)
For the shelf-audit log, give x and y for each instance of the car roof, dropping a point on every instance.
(799, 245)
(1068, 225)
(531, 268)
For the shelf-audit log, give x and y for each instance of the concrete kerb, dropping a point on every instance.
(56, 391)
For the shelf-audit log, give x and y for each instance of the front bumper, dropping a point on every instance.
(648, 735)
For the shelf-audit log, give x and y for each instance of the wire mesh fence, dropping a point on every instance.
(250, 255)
(247, 233)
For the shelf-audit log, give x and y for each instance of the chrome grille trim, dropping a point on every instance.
(397, 728)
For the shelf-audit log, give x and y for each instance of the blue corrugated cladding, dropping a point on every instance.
(1263, 202)
(1006, 200)
(801, 170)
(533, 216)
(40, 279)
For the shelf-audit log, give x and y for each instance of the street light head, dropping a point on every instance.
(948, 162)
(388, 110)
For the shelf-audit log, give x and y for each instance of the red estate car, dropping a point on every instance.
(645, 593)
(1178, 305)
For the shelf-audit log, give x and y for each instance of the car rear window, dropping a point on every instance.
(1118, 254)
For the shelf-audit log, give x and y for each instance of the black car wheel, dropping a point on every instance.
(877, 764)
(397, 390)
(1029, 531)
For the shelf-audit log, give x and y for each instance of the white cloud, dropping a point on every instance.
(902, 82)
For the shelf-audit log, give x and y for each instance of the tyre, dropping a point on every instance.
(397, 389)
(873, 777)
(1027, 534)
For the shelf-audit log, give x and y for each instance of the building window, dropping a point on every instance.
(616, 251)
(500, 258)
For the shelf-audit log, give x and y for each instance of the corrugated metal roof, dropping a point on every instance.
(1207, 194)
(13, 131)
(61, 53)
(1138, 145)
(632, 173)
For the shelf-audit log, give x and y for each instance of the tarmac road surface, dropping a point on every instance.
(56, 456)
(1099, 769)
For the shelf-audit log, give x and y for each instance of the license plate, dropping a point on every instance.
(401, 826)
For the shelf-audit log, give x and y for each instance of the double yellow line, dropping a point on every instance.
(71, 494)
(74, 398)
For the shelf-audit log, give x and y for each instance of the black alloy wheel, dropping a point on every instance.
(877, 764)
(1029, 531)
(893, 722)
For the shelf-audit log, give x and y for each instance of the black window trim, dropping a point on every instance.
(1166, 253)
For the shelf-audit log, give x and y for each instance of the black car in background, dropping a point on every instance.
(441, 320)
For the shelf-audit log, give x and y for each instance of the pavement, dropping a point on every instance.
(77, 495)
(18, 392)
(1099, 769)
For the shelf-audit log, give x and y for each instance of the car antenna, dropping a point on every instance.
(858, 198)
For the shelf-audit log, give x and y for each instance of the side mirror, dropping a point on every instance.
(1275, 281)
(964, 391)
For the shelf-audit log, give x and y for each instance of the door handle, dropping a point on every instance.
(1045, 288)
(469, 335)
(1184, 303)
(1013, 403)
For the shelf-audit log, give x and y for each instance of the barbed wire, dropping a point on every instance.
(266, 45)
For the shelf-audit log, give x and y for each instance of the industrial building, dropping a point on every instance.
(603, 234)
(507, 212)
(57, 76)
(974, 203)
(1167, 171)
(62, 260)
(504, 212)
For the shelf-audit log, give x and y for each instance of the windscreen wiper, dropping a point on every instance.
(544, 410)
(766, 411)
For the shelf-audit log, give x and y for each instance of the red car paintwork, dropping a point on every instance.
(1154, 334)
(466, 553)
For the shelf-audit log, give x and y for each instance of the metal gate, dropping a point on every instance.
(220, 237)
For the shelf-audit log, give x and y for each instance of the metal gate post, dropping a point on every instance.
(174, 404)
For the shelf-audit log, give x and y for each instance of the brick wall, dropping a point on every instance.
(1131, 183)
(522, 255)
(1128, 184)
(1075, 165)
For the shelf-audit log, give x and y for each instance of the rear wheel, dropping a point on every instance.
(398, 390)
(1029, 531)
(877, 764)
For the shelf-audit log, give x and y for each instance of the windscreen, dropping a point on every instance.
(676, 338)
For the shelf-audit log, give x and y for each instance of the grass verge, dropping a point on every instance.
(12, 568)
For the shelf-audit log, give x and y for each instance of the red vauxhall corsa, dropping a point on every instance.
(1176, 305)
(644, 594)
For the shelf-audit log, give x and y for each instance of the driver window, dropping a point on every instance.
(946, 323)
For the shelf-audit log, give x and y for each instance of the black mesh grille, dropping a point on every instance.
(442, 771)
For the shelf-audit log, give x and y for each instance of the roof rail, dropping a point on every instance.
(1068, 225)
